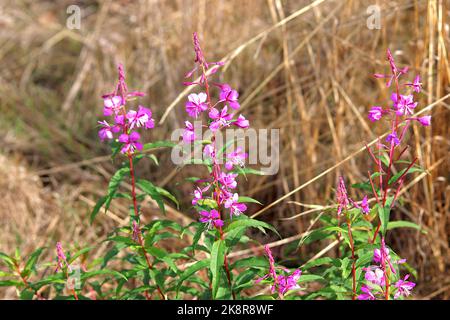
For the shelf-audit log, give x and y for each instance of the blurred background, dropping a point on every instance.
(304, 67)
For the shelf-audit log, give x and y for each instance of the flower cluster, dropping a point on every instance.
(281, 283)
(61, 258)
(378, 274)
(344, 201)
(114, 104)
(403, 105)
(221, 183)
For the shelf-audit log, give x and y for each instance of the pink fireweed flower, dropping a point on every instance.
(61, 257)
(416, 84)
(140, 118)
(404, 287)
(405, 105)
(130, 142)
(235, 207)
(112, 105)
(106, 132)
(425, 120)
(212, 218)
(136, 231)
(241, 122)
(289, 282)
(235, 158)
(367, 293)
(196, 104)
(198, 194)
(229, 96)
(228, 180)
(221, 119)
(393, 139)
(364, 206)
(375, 276)
(396, 72)
(209, 151)
(281, 283)
(341, 195)
(375, 113)
(188, 133)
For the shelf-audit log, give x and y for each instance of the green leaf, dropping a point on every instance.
(246, 171)
(11, 283)
(167, 194)
(217, 260)
(150, 189)
(87, 275)
(402, 224)
(383, 214)
(248, 200)
(79, 253)
(159, 144)
(251, 262)
(97, 208)
(191, 270)
(7, 259)
(395, 177)
(309, 278)
(248, 222)
(31, 262)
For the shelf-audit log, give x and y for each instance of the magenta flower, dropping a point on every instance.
(364, 206)
(235, 158)
(188, 133)
(393, 139)
(61, 257)
(416, 85)
(241, 122)
(196, 104)
(212, 218)
(228, 180)
(221, 119)
(404, 287)
(341, 195)
(375, 276)
(405, 105)
(281, 283)
(106, 132)
(375, 113)
(367, 293)
(396, 72)
(235, 207)
(130, 142)
(209, 151)
(198, 194)
(112, 105)
(425, 120)
(136, 231)
(140, 118)
(229, 96)
(289, 282)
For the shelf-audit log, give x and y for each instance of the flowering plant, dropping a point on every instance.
(136, 264)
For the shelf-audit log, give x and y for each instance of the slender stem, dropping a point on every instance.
(136, 213)
(217, 188)
(352, 246)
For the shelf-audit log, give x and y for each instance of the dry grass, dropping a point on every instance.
(299, 67)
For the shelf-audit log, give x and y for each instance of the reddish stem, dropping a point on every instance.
(136, 213)
(352, 246)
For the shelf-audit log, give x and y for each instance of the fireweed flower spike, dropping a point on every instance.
(125, 121)
(378, 277)
(281, 283)
(61, 258)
